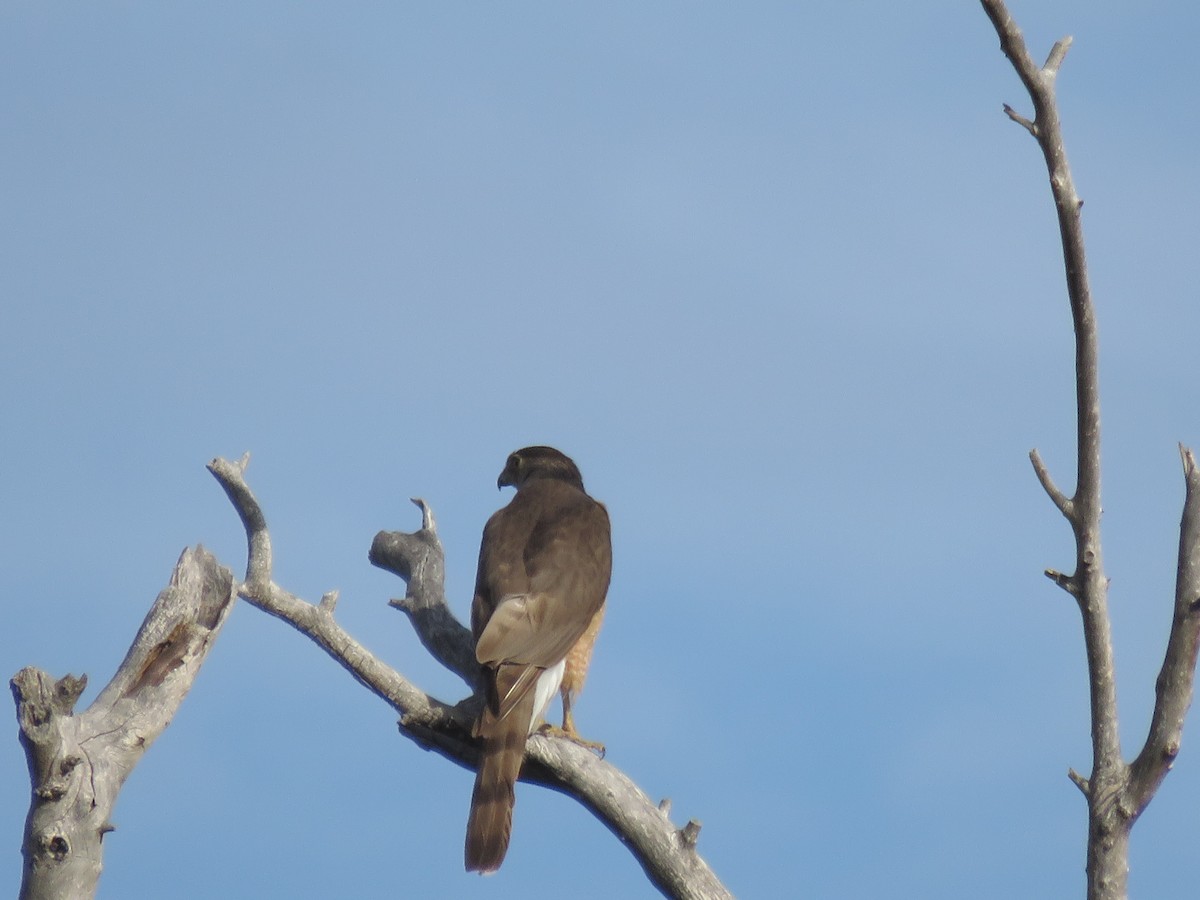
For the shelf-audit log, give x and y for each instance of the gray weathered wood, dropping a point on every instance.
(1116, 793)
(78, 763)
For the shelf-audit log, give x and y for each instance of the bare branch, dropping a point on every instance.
(258, 552)
(1057, 54)
(1066, 582)
(670, 863)
(78, 763)
(1079, 781)
(1174, 687)
(317, 622)
(1047, 129)
(1061, 500)
(1109, 822)
(419, 560)
(1085, 508)
(1020, 120)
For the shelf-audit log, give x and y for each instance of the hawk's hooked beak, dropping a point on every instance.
(508, 478)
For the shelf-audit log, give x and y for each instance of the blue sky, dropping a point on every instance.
(784, 281)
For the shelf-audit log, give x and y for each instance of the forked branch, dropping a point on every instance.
(666, 853)
(78, 763)
(1116, 793)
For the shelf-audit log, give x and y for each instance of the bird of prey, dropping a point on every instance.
(544, 567)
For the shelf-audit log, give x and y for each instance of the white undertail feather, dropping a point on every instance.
(546, 690)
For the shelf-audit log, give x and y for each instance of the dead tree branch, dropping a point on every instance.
(417, 558)
(665, 852)
(1116, 793)
(1177, 678)
(78, 763)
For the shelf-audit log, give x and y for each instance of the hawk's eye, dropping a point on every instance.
(514, 461)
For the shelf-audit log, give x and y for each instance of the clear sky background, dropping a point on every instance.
(784, 281)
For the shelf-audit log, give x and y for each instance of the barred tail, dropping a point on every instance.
(490, 822)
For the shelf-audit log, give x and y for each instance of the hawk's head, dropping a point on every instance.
(538, 462)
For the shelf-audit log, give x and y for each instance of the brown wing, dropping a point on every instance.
(537, 606)
(544, 568)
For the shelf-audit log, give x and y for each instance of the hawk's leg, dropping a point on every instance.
(568, 729)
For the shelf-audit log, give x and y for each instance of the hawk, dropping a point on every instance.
(544, 567)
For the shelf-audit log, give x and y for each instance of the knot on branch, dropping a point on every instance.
(40, 697)
(54, 847)
(57, 783)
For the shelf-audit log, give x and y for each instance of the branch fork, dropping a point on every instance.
(1116, 792)
(78, 762)
(670, 862)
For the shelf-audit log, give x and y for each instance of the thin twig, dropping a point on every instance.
(1061, 500)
